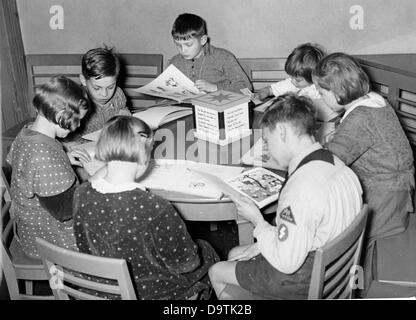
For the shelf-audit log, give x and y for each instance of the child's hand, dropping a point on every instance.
(263, 93)
(247, 209)
(206, 86)
(250, 251)
(78, 156)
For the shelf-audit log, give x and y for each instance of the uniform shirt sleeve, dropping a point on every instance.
(286, 245)
(173, 243)
(283, 87)
(235, 77)
(352, 138)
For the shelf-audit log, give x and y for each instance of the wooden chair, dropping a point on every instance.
(136, 70)
(332, 264)
(15, 264)
(63, 266)
(263, 72)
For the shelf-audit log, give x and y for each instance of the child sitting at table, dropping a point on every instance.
(43, 181)
(299, 66)
(211, 68)
(100, 69)
(117, 217)
(371, 140)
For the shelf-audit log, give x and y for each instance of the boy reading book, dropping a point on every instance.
(209, 67)
(100, 69)
(320, 198)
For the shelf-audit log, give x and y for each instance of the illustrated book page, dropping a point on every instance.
(171, 84)
(260, 185)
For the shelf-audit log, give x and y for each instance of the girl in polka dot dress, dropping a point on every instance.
(116, 217)
(43, 181)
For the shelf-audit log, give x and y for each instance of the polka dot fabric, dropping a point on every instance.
(147, 232)
(40, 167)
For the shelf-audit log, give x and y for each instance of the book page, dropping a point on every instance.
(259, 184)
(156, 116)
(247, 92)
(262, 107)
(171, 84)
(180, 176)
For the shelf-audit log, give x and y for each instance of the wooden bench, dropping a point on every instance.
(263, 72)
(136, 70)
(394, 77)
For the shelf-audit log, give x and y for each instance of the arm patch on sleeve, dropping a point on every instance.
(286, 214)
(283, 232)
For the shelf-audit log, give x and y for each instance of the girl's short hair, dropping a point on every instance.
(187, 26)
(59, 100)
(303, 60)
(100, 63)
(293, 109)
(125, 138)
(343, 75)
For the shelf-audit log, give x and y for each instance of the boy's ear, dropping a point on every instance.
(82, 80)
(337, 98)
(281, 130)
(204, 39)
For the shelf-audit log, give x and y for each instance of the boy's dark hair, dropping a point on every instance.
(293, 109)
(99, 63)
(59, 100)
(187, 26)
(303, 60)
(343, 75)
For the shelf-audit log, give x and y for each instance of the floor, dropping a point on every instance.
(223, 236)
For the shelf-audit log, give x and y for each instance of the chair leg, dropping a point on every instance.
(29, 287)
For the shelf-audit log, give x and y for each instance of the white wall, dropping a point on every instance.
(249, 28)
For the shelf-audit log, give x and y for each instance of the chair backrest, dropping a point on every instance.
(262, 72)
(64, 267)
(331, 273)
(136, 70)
(15, 264)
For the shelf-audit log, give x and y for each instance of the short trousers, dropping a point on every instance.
(262, 279)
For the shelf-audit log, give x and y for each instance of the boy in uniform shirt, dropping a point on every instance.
(209, 67)
(319, 200)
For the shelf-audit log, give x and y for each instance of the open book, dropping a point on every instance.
(180, 176)
(157, 116)
(171, 84)
(260, 185)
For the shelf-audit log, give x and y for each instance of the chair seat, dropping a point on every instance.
(26, 267)
(396, 256)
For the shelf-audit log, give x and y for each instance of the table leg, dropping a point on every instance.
(245, 232)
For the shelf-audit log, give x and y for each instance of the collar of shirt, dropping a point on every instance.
(103, 186)
(299, 157)
(371, 99)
